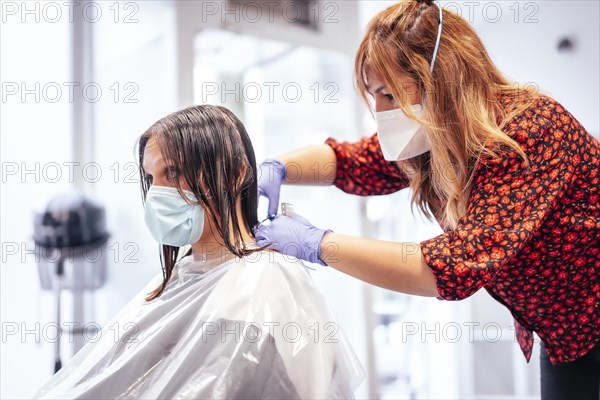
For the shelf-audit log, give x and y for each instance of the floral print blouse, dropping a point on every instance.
(531, 238)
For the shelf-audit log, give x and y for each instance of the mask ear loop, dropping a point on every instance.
(435, 49)
(437, 41)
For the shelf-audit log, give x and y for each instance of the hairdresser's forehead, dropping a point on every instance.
(375, 83)
(153, 159)
(372, 80)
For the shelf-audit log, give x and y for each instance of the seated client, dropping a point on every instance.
(225, 318)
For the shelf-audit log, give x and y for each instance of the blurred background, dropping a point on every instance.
(82, 80)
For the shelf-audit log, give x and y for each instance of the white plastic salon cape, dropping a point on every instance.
(255, 327)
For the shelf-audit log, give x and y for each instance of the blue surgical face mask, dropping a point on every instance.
(170, 219)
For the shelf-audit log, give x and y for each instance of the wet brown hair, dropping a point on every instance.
(212, 153)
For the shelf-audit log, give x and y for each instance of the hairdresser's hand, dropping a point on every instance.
(271, 176)
(294, 236)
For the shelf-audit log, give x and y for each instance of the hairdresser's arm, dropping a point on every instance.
(354, 167)
(395, 266)
(312, 165)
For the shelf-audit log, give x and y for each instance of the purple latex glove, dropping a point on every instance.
(293, 236)
(271, 177)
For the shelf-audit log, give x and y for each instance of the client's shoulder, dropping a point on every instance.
(263, 285)
(271, 262)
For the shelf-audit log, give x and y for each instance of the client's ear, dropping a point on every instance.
(242, 177)
(203, 188)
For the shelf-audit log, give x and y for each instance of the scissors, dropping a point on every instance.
(286, 209)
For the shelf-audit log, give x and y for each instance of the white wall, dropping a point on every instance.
(36, 137)
(524, 46)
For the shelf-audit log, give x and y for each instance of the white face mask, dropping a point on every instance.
(399, 136)
(170, 219)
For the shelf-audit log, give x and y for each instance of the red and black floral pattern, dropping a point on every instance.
(529, 237)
